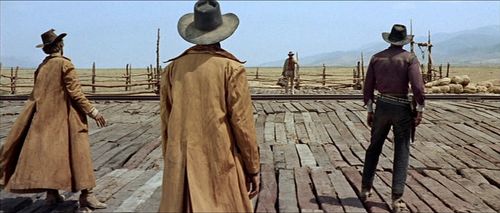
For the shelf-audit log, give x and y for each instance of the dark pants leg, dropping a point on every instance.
(380, 129)
(401, 128)
(387, 115)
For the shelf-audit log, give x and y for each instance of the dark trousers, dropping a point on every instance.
(397, 115)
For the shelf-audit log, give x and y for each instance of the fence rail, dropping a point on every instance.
(142, 81)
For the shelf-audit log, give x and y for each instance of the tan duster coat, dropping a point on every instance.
(208, 135)
(48, 147)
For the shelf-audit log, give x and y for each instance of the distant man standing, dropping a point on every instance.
(389, 72)
(211, 158)
(290, 69)
(48, 148)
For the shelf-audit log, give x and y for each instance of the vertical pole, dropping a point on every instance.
(126, 77)
(324, 75)
(429, 57)
(257, 73)
(130, 76)
(298, 73)
(358, 72)
(158, 61)
(362, 68)
(448, 70)
(440, 71)
(0, 71)
(12, 83)
(93, 77)
(149, 77)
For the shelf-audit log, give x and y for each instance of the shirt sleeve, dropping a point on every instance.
(241, 118)
(74, 89)
(416, 81)
(369, 85)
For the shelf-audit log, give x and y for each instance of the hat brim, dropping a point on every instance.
(58, 38)
(191, 34)
(405, 41)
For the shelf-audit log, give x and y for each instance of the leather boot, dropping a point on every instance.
(53, 197)
(88, 199)
(399, 206)
(365, 193)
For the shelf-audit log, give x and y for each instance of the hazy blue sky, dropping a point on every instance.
(115, 33)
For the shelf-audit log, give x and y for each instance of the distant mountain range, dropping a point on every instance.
(480, 46)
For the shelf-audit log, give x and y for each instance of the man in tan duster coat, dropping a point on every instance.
(47, 148)
(211, 159)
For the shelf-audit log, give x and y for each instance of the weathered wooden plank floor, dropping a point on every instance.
(311, 153)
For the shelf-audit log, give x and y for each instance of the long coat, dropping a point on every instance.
(48, 147)
(208, 132)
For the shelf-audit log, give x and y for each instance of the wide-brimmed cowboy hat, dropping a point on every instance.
(397, 36)
(206, 25)
(290, 53)
(50, 37)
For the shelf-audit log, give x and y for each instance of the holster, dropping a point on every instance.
(413, 116)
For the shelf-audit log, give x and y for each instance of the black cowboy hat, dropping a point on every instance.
(50, 37)
(206, 25)
(398, 35)
(290, 53)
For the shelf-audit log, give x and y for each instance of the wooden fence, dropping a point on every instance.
(145, 81)
(128, 83)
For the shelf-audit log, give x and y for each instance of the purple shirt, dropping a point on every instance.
(390, 71)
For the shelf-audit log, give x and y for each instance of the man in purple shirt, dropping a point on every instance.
(390, 71)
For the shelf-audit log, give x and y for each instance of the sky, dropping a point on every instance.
(115, 33)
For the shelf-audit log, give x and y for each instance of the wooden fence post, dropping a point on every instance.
(13, 79)
(0, 71)
(448, 70)
(93, 77)
(129, 77)
(324, 75)
(440, 71)
(149, 77)
(362, 69)
(358, 72)
(126, 77)
(257, 73)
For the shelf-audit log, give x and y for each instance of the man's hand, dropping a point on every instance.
(253, 185)
(418, 118)
(99, 119)
(369, 119)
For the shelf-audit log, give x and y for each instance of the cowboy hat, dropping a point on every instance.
(290, 53)
(50, 37)
(397, 36)
(206, 25)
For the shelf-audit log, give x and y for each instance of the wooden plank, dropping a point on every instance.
(326, 196)
(287, 195)
(488, 196)
(290, 107)
(410, 198)
(259, 128)
(335, 157)
(291, 156)
(320, 156)
(436, 204)
(290, 128)
(266, 154)
(269, 136)
(300, 128)
(459, 191)
(346, 194)
(305, 155)
(268, 192)
(105, 190)
(117, 199)
(455, 203)
(299, 107)
(373, 203)
(142, 193)
(310, 127)
(279, 156)
(140, 155)
(493, 176)
(14, 204)
(322, 134)
(305, 190)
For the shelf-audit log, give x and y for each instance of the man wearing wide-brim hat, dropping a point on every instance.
(47, 148)
(290, 69)
(211, 158)
(390, 71)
